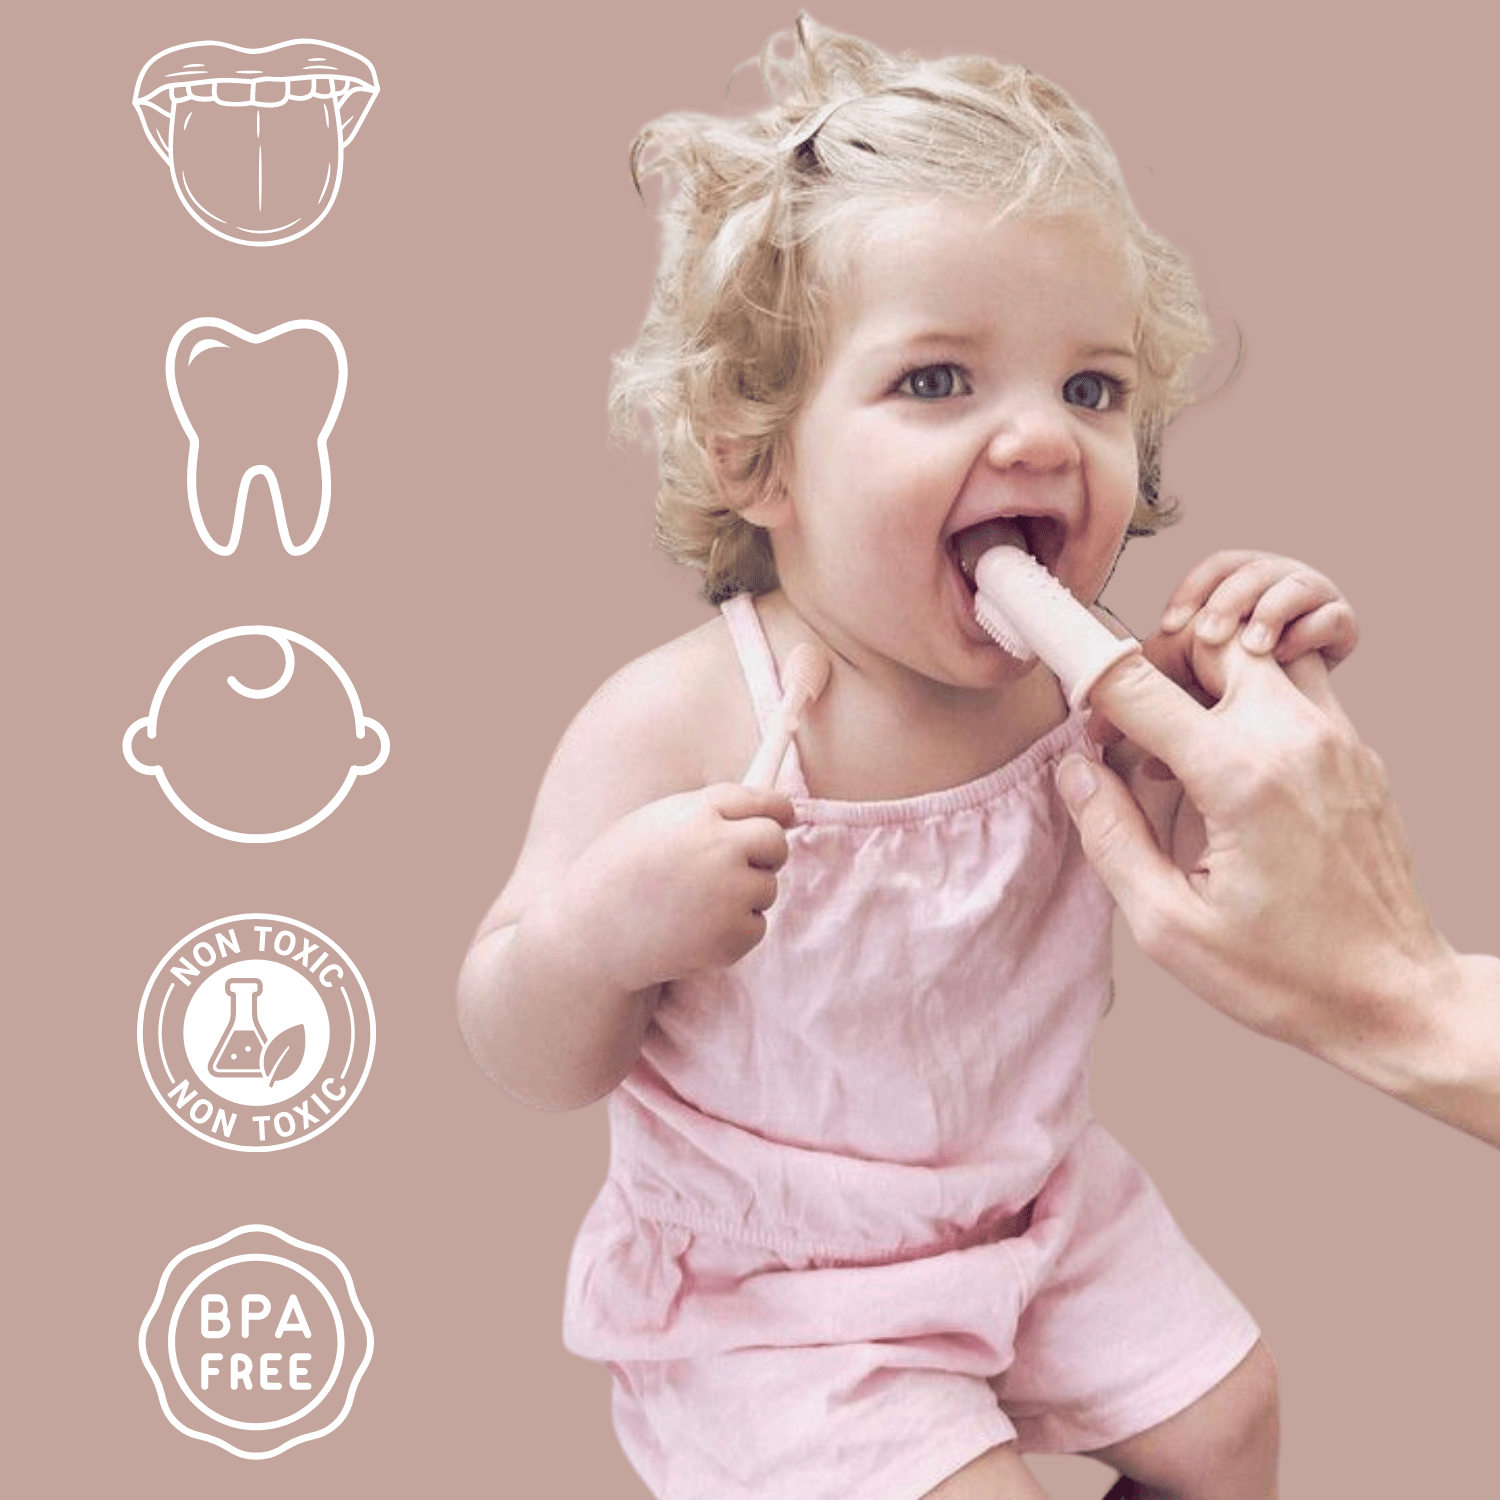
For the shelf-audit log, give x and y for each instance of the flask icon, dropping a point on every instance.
(239, 1050)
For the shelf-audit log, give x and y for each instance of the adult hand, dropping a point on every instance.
(1279, 887)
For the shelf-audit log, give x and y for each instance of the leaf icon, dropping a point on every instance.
(282, 1055)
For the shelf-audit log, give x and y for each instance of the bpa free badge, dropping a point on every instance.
(256, 1342)
(256, 1032)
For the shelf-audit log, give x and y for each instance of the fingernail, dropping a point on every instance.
(1077, 781)
(1214, 630)
(1175, 618)
(1256, 638)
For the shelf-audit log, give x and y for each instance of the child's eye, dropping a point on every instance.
(1095, 391)
(934, 383)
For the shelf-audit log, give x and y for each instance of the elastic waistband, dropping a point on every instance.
(799, 1244)
(676, 1166)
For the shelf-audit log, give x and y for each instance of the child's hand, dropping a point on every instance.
(1292, 610)
(683, 883)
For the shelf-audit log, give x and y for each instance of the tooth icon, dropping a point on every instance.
(254, 136)
(257, 397)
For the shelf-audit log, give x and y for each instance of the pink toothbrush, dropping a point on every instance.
(1029, 613)
(803, 677)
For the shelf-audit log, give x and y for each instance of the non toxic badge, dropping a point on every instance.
(256, 1032)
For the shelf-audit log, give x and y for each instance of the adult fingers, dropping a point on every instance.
(1263, 704)
(1266, 709)
(1149, 889)
(1156, 713)
(1309, 674)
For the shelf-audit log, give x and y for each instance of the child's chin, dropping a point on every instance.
(992, 668)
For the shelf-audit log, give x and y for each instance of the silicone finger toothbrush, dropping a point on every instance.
(1029, 613)
(803, 677)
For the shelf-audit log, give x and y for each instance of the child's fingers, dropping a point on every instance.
(1331, 629)
(763, 843)
(1240, 594)
(760, 895)
(758, 820)
(732, 800)
(1190, 595)
(1302, 592)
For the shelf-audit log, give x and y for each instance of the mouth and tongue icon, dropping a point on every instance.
(257, 405)
(255, 136)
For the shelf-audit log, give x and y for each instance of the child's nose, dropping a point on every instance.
(1033, 433)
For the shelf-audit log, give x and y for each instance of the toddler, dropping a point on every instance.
(860, 1238)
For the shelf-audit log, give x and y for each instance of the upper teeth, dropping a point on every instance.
(259, 396)
(266, 169)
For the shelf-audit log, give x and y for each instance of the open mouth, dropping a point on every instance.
(970, 544)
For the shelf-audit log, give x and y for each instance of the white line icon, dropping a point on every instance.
(256, 1032)
(254, 137)
(286, 639)
(256, 1341)
(209, 359)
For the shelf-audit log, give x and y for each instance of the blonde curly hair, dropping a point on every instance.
(734, 336)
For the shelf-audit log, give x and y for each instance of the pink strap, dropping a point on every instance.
(763, 680)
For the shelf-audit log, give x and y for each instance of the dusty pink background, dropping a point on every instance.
(486, 564)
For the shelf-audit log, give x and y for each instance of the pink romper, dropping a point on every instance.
(859, 1226)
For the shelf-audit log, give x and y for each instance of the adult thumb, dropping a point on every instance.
(1118, 842)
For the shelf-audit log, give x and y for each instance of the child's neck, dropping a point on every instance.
(887, 734)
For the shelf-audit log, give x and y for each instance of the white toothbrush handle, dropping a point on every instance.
(766, 766)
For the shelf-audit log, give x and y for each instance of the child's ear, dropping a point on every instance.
(755, 491)
(771, 508)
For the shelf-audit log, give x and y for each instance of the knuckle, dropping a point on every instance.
(1329, 743)
(716, 795)
(1133, 676)
(1252, 783)
(1313, 751)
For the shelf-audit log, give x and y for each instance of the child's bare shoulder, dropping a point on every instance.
(677, 718)
(674, 720)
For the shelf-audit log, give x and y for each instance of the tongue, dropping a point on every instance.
(972, 544)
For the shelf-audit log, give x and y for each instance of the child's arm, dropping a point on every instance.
(625, 881)
(1291, 609)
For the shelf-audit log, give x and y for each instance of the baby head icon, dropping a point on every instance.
(254, 136)
(256, 764)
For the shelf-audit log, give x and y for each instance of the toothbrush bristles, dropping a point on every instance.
(1000, 630)
(803, 678)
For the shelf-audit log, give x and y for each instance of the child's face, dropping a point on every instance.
(976, 370)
